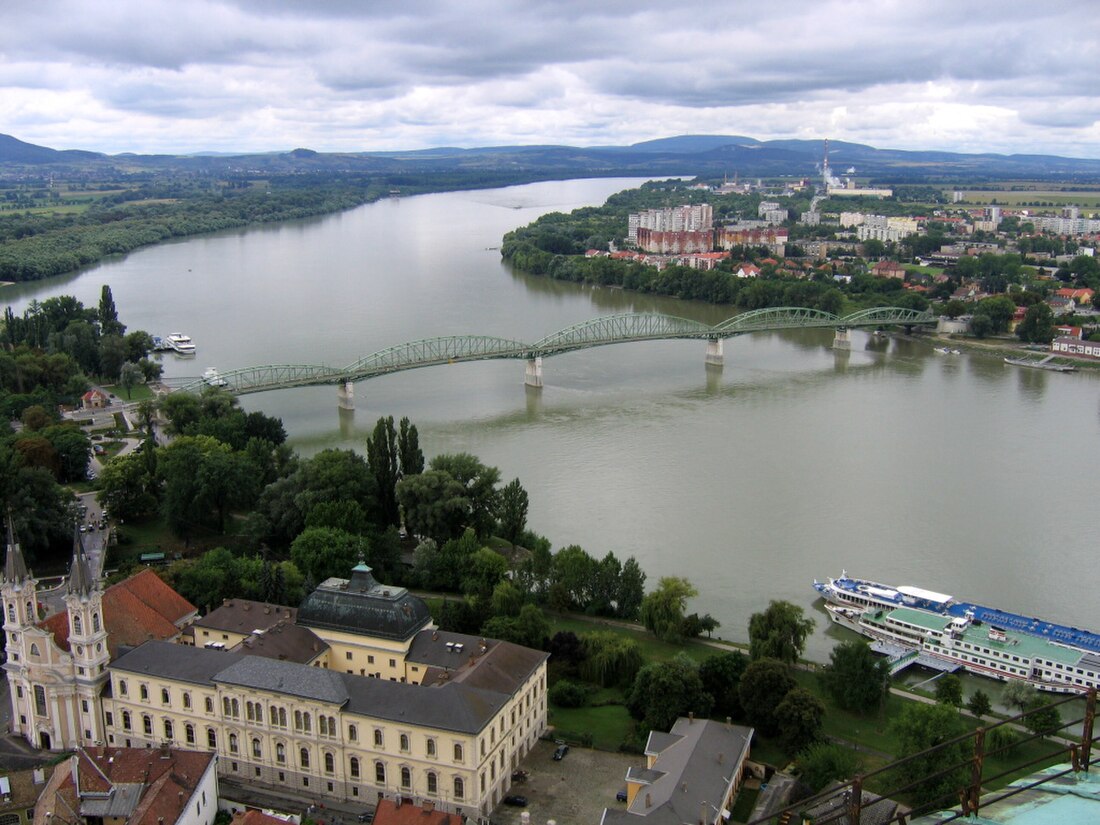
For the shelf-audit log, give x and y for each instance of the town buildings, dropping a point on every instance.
(355, 695)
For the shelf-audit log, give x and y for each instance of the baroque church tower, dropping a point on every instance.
(87, 642)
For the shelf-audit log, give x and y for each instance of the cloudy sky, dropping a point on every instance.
(352, 75)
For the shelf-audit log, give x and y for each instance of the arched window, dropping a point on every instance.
(322, 723)
(282, 717)
(168, 730)
(126, 720)
(225, 705)
(40, 700)
(34, 649)
(433, 787)
(187, 701)
(353, 767)
(165, 697)
(458, 752)
(259, 712)
(147, 725)
(95, 622)
(378, 741)
(307, 722)
(330, 763)
(232, 743)
(379, 773)
(11, 612)
(280, 753)
(189, 732)
(431, 747)
(248, 710)
(303, 757)
(460, 787)
(211, 738)
(209, 705)
(236, 709)
(353, 733)
(297, 720)
(406, 778)
(122, 686)
(30, 611)
(256, 752)
(405, 742)
(143, 691)
(332, 729)
(77, 625)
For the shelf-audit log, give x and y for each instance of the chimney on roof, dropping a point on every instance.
(429, 806)
(397, 804)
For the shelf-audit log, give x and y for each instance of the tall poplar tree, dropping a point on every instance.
(382, 459)
(408, 448)
(108, 314)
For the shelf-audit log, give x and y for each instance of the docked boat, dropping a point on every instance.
(160, 345)
(181, 343)
(1041, 364)
(211, 377)
(947, 351)
(982, 640)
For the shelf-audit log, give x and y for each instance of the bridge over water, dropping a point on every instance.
(598, 332)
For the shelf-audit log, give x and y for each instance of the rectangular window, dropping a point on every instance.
(370, 660)
(348, 655)
(393, 663)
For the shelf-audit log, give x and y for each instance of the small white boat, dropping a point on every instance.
(947, 351)
(211, 377)
(181, 343)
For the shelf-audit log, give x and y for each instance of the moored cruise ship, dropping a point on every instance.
(862, 594)
(968, 643)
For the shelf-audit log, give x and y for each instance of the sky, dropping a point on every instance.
(183, 76)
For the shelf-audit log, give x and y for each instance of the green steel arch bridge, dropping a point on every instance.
(598, 332)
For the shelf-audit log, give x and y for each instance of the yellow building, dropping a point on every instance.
(386, 705)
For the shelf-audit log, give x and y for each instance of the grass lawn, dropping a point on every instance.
(652, 648)
(138, 392)
(608, 724)
(742, 807)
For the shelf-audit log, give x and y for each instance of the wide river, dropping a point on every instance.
(956, 473)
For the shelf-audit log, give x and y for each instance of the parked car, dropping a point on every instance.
(366, 816)
(516, 801)
(621, 796)
(560, 753)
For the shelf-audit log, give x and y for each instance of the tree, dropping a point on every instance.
(856, 678)
(479, 487)
(763, 685)
(434, 504)
(999, 310)
(35, 418)
(507, 600)
(919, 728)
(571, 578)
(631, 592)
(112, 355)
(408, 449)
(108, 314)
(1018, 695)
(662, 611)
(1038, 324)
(949, 691)
(482, 571)
(323, 552)
(382, 458)
(664, 691)
(721, 674)
(954, 308)
(73, 448)
(779, 632)
(1042, 718)
(824, 762)
(530, 628)
(130, 375)
(609, 659)
(126, 488)
(513, 511)
(799, 718)
(979, 704)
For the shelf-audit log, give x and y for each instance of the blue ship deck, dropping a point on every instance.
(1050, 631)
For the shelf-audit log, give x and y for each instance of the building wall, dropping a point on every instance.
(484, 768)
(364, 655)
(202, 807)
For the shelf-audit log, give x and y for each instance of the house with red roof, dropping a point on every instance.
(398, 812)
(94, 399)
(747, 271)
(57, 666)
(136, 786)
(1080, 297)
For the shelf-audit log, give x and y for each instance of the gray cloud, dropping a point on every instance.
(160, 75)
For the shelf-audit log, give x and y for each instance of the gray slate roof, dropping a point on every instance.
(188, 664)
(362, 605)
(696, 762)
(453, 705)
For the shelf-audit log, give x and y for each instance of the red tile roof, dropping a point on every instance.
(135, 610)
(169, 778)
(254, 817)
(387, 813)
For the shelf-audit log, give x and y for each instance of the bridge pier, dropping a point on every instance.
(714, 355)
(345, 395)
(533, 375)
(843, 338)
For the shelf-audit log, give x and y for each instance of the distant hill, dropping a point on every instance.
(706, 155)
(13, 150)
